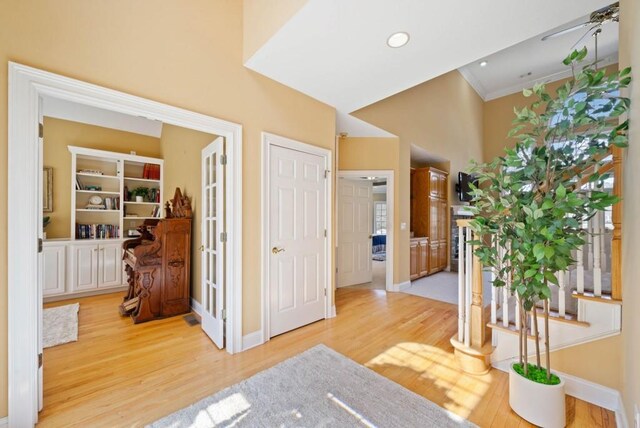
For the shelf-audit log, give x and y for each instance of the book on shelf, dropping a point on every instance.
(151, 171)
(78, 186)
(97, 231)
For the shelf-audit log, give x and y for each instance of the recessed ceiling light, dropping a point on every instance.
(397, 40)
(483, 63)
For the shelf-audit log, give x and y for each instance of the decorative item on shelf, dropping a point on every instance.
(91, 171)
(180, 206)
(96, 203)
(93, 188)
(141, 193)
(78, 185)
(47, 187)
(45, 222)
(126, 194)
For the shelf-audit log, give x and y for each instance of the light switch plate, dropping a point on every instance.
(403, 226)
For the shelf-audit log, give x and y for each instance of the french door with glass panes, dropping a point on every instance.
(213, 241)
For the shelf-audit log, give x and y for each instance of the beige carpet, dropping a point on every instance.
(60, 325)
(443, 286)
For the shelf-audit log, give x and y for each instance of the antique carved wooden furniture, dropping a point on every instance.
(158, 265)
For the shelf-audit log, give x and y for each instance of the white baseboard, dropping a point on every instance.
(4, 422)
(195, 307)
(332, 313)
(252, 340)
(401, 286)
(588, 391)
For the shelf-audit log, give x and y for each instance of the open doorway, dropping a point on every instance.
(365, 231)
(109, 187)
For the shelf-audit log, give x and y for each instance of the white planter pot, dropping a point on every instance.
(139, 199)
(539, 404)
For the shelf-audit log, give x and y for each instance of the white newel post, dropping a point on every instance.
(461, 282)
(580, 270)
(467, 285)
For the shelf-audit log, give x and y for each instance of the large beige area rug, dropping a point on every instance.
(60, 325)
(318, 388)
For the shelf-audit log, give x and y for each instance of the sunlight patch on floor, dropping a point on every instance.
(463, 392)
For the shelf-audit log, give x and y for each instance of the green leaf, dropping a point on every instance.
(561, 191)
(527, 92)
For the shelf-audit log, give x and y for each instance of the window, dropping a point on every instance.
(380, 218)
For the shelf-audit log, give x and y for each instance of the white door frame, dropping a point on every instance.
(269, 140)
(26, 84)
(388, 174)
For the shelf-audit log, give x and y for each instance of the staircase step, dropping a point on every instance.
(604, 298)
(567, 318)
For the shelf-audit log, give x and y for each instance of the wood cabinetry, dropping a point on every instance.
(429, 218)
(419, 258)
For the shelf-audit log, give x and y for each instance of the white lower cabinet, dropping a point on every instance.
(54, 265)
(81, 267)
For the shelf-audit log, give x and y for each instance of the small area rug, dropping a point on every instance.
(317, 388)
(60, 325)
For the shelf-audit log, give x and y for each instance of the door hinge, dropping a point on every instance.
(223, 159)
(326, 173)
(40, 130)
(325, 233)
(40, 360)
(223, 236)
(39, 245)
(325, 292)
(224, 314)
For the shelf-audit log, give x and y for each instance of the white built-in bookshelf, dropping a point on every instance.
(102, 183)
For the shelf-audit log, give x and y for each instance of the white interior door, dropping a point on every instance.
(213, 242)
(297, 222)
(355, 205)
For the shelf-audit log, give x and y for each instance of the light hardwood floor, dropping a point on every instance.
(120, 374)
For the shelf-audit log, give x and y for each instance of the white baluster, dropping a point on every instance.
(561, 295)
(494, 304)
(580, 270)
(505, 295)
(597, 272)
(461, 281)
(468, 275)
(604, 242)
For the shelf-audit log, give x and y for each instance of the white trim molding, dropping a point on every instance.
(196, 307)
(4, 422)
(389, 175)
(269, 140)
(252, 340)
(401, 286)
(27, 86)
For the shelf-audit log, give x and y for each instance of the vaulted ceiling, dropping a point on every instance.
(336, 50)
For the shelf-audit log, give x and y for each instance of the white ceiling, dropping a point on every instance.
(507, 71)
(67, 110)
(335, 50)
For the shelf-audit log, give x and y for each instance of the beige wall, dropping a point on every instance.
(182, 152)
(184, 54)
(263, 18)
(442, 116)
(378, 154)
(58, 134)
(630, 56)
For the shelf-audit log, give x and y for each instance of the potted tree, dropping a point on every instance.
(530, 206)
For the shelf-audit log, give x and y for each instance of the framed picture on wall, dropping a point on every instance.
(47, 189)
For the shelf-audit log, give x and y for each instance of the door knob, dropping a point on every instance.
(370, 236)
(201, 247)
(276, 250)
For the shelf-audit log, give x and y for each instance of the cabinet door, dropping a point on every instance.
(423, 258)
(442, 220)
(434, 218)
(442, 255)
(433, 258)
(109, 265)
(84, 267)
(434, 183)
(53, 277)
(413, 260)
